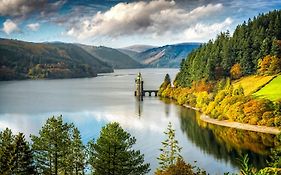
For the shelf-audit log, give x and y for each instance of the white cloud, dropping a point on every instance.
(9, 26)
(33, 26)
(154, 18)
(200, 31)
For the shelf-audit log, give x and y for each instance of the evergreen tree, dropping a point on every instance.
(170, 151)
(79, 154)
(22, 159)
(15, 154)
(6, 145)
(276, 48)
(265, 48)
(165, 84)
(52, 148)
(112, 154)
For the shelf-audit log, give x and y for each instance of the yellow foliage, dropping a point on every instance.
(269, 65)
(236, 71)
(252, 83)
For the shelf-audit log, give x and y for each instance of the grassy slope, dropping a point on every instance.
(252, 83)
(271, 91)
(115, 58)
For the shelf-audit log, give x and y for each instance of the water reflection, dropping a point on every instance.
(90, 103)
(139, 107)
(226, 143)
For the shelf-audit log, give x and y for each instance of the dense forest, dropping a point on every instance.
(235, 78)
(26, 60)
(250, 43)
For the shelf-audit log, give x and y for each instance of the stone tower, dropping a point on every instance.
(139, 86)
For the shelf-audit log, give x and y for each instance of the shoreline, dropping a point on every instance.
(237, 125)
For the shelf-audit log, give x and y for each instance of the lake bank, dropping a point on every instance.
(237, 125)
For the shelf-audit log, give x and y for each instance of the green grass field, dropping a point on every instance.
(251, 83)
(271, 91)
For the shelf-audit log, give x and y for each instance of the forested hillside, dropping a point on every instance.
(23, 60)
(237, 77)
(246, 49)
(114, 57)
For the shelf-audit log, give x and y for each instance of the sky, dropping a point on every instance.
(121, 23)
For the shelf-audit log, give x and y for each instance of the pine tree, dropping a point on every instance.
(276, 48)
(22, 159)
(52, 148)
(15, 154)
(79, 154)
(112, 154)
(165, 84)
(6, 145)
(170, 151)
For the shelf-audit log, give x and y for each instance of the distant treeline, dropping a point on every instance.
(26, 60)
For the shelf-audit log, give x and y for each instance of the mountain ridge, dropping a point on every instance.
(114, 57)
(29, 60)
(166, 56)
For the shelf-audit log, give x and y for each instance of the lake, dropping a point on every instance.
(90, 103)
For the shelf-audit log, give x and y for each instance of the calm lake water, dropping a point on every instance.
(90, 103)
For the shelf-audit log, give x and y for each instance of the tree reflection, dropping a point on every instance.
(226, 143)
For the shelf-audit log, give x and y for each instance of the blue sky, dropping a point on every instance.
(120, 23)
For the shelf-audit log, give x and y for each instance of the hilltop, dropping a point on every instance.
(162, 57)
(113, 57)
(27, 60)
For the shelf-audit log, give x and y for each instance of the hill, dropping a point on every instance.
(250, 43)
(113, 57)
(162, 57)
(235, 78)
(138, 48)
(166, 56)
(271, 91)
(25, 60)
(252, 83)
(130, 53)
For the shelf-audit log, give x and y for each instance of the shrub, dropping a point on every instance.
(180, 168)
(236, 71)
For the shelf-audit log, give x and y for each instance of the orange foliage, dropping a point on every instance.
(256, 108)
(180, 168)
(269, 65)
(202, 86)
(236, 71)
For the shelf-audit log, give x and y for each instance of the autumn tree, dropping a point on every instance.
(181, 168)
(269, 65)
(235, 71)
(112, 153)
(165, 84)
